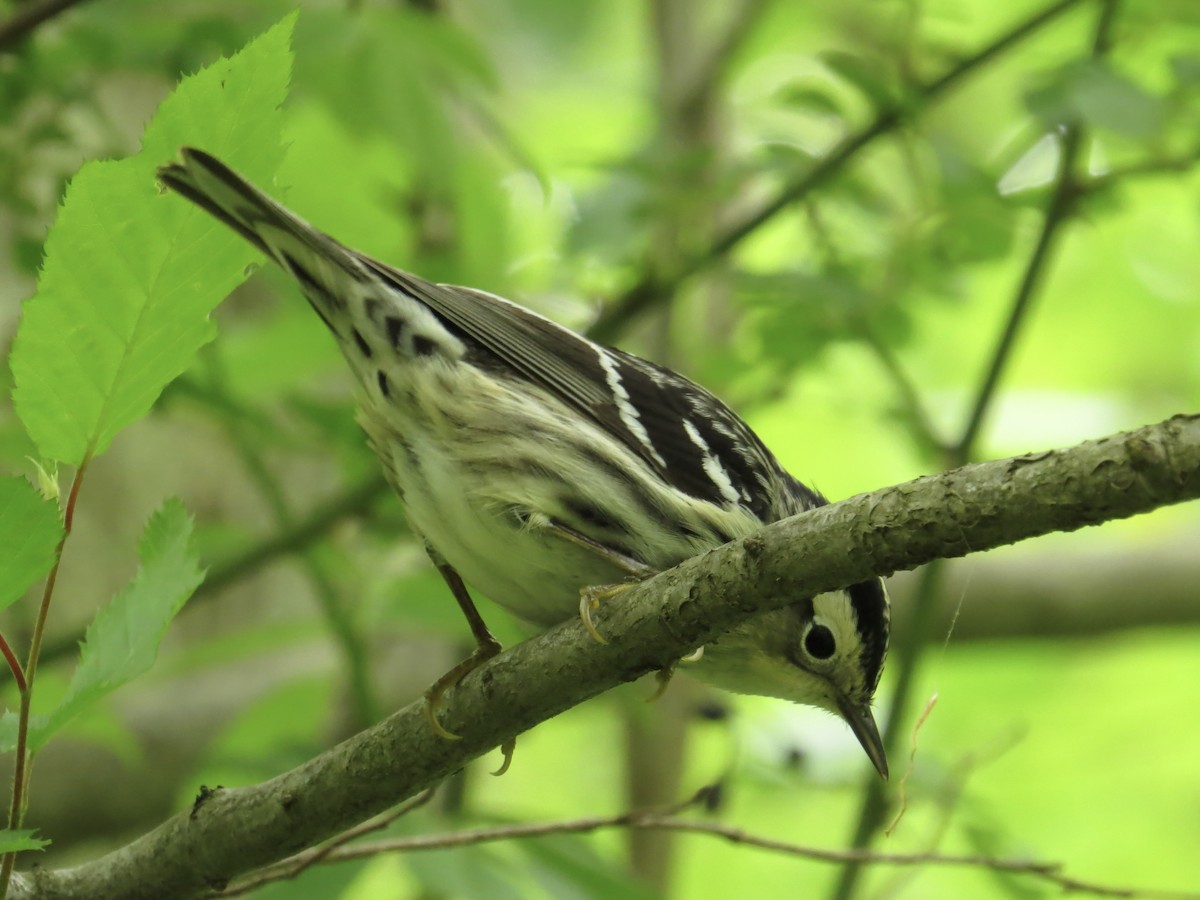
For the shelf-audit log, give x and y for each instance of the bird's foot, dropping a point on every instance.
(434, 695)
(664, 675)
(590, 599)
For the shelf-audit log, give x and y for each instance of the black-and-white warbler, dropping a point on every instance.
(537, 465)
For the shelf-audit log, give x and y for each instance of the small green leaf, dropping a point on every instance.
(813, 98)
(864, 73)
(30, 529)
(20, 841)
(130, 277)
(122, 641)
(1093, 93)
(47, 478)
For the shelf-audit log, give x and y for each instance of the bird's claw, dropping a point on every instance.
(590, 598)
(664, 675)
(437, 690)
(507, 749)
(663, 678)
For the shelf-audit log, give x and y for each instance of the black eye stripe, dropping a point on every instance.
(872, 615)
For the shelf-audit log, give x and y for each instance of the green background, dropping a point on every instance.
(555, 153)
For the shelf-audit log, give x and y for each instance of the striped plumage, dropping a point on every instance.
(536, 463)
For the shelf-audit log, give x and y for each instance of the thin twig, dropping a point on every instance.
(21, 758)
(29, 16)
(652, 288)
(902, 785)
(14, 664)
(1066, 192)
(908, 654)
(337, 851)
(355, 500)
(339, 620)
(916, 419)
(1058, 212)
(668, 820)
(294, 866)
(1170, 165)
(916, 416)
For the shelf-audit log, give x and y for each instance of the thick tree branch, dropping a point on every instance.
(977, 507)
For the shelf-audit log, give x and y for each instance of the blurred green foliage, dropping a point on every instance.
(557, 153)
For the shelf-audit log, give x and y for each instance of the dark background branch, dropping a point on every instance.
(654, 288)
(28, 17)
(908, 652)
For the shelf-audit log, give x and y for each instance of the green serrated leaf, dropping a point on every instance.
(47, 476)
(30, 529)
(20, 841)
(129, 277)
(122, 641)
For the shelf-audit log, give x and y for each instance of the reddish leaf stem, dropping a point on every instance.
(22, 762)
(13, 663)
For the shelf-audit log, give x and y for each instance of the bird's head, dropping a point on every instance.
(826, 652)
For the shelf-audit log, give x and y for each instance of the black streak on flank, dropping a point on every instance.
(363, 347)
(384, 387)
(721, 535)
(423, 346)
(592, 515)
(371, 307)
(395, 330)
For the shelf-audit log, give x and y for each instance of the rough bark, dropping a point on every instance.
(977, 507)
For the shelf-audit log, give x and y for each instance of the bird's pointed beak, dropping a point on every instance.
(862, 723)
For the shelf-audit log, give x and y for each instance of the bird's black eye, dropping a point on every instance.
(819, 642)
